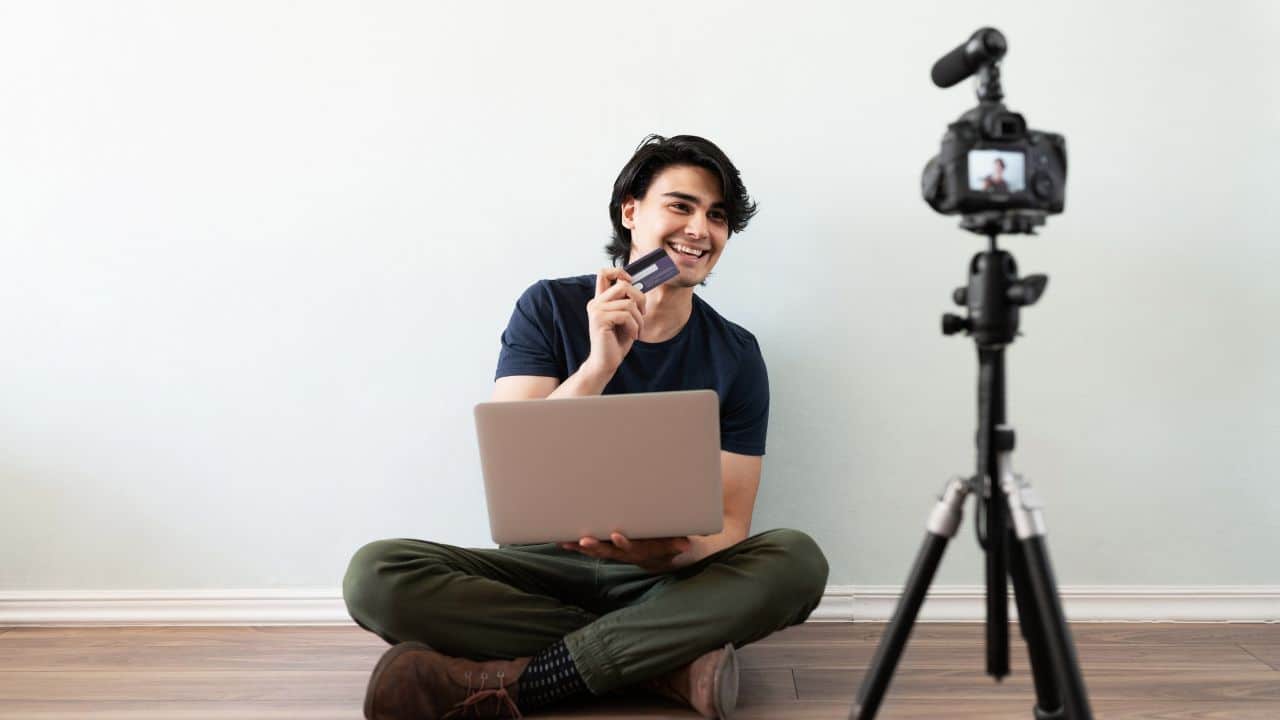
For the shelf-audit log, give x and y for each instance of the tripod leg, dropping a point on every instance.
(1028, 523)
(1048, 699)
(942, 525)
(997, 573)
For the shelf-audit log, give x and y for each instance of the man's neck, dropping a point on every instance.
(666, 310)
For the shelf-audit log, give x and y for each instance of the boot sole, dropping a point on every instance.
(384, 662)
(724, 687)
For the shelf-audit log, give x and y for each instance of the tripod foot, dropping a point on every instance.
(1058, 714)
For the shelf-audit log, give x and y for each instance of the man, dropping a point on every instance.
(995, 181)
(498, 633)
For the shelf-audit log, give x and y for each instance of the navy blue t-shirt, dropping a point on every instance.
(548, 336)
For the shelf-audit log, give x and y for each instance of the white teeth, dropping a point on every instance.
(687, 250)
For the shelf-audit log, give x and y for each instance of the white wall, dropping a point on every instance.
(255, 259)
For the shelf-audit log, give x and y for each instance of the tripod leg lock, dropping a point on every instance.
(1024, 503)
(946, 515)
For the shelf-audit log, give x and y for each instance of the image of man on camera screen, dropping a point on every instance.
(1003, 171)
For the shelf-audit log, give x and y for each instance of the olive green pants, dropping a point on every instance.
(622, 625)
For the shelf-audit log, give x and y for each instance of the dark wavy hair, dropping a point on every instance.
(655, 154)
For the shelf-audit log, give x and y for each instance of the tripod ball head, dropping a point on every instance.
(993, 298)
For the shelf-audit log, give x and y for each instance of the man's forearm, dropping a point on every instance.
(588, 380)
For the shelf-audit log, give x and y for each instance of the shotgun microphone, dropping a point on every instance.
(984, 46)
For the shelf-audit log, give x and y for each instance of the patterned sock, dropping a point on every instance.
(549, 678)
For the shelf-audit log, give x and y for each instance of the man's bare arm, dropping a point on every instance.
(586, 381)
(740, 476)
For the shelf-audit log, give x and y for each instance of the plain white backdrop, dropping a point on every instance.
(255, 259)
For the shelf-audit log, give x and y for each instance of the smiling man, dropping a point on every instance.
(501, 632)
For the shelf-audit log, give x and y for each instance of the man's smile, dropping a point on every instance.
(688, 254)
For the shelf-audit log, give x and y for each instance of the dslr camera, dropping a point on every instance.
(1000, 175)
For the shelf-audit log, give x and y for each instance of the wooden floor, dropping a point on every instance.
(1182, 671)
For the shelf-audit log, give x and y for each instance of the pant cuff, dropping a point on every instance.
(596, 666)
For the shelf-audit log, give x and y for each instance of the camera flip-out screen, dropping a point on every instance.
(997, 171)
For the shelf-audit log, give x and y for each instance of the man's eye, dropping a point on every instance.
(680, 206)
(719, 217)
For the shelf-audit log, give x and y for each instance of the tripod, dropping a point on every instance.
(1014, 538)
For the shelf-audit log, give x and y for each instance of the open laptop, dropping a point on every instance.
(645, 465)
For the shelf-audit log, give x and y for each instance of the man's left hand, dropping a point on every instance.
(653, 555)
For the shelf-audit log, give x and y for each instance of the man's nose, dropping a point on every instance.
(697, 226)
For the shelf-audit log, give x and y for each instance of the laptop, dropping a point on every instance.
(646, 465)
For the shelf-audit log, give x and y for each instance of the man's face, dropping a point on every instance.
(682, 210)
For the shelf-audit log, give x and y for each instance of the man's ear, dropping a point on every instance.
(629, 213)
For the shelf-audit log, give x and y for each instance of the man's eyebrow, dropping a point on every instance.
(691, 198)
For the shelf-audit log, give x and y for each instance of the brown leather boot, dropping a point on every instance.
(413, 682)
(708, 684)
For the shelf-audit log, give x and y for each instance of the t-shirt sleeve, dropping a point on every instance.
(528, 343)
(744, 414)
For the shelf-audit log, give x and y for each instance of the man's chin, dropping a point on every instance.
(684, 280)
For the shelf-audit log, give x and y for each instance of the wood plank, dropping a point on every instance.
(819, 632)
(197, 649)
(1159, 633)
(1007, 709)
(1133, 684)
(26, 637)
(191, 648)
(766, 687)
(1267, 653)
(194, 659)
(183, 685)
(179, 710)
(1093, 657)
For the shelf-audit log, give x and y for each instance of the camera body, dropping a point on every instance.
(990, 161)
(1001, 176)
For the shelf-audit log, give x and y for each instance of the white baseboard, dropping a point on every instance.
(174, 607)
(860, 603)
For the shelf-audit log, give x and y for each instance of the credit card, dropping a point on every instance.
(651, 270)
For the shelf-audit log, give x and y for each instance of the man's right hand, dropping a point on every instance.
(654, 555)
(615, 317)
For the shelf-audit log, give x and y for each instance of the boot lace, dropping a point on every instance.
(476, 701)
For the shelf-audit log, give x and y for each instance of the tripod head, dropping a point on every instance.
(993, 298)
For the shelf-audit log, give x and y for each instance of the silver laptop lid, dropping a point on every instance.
(644, 464)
